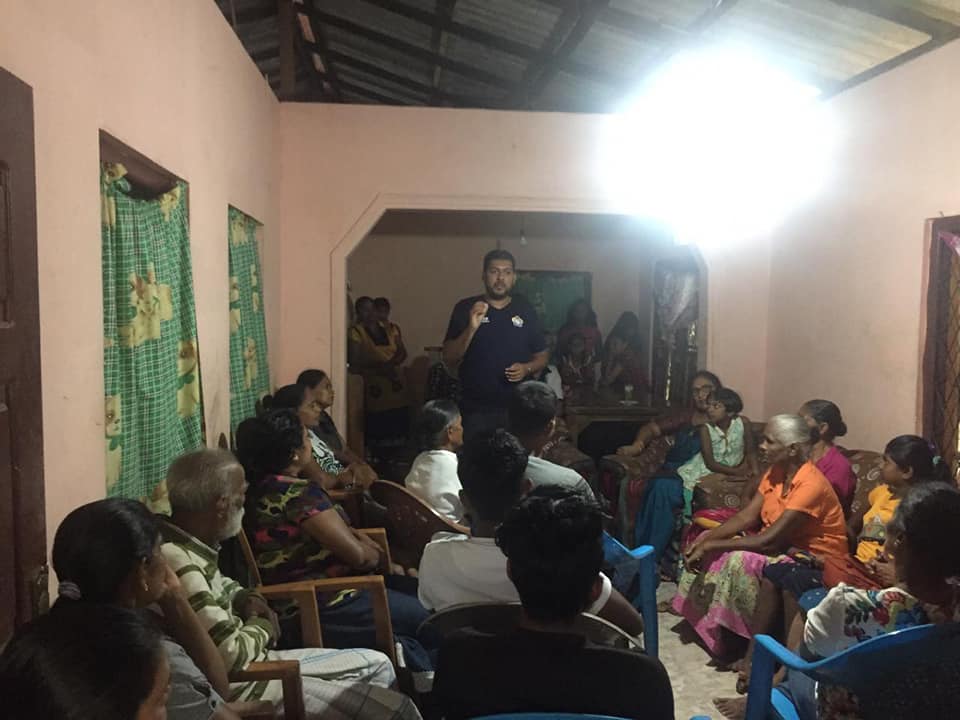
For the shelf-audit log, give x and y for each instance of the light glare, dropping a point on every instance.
(719, 146)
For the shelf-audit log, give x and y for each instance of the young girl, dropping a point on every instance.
(908, 461)
(433, 477)
(726, 446)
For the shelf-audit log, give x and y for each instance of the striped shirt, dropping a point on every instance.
(213, 597)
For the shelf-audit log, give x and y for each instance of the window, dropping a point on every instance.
(153, 409)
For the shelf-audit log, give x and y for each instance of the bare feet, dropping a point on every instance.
(666, 606)
(731, 708)
(630, 450)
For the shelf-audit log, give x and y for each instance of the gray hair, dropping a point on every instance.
(196, 480)
(789, 430)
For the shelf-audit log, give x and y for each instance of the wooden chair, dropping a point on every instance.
(304, 594)
(498, 617)
(410, 522)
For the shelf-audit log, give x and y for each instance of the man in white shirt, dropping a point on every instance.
(459, 569)
(532, 419)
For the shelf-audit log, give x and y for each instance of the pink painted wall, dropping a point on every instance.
(170, 79)
(848, 275)
(344, 165)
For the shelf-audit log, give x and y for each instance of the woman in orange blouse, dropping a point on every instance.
(794, 510)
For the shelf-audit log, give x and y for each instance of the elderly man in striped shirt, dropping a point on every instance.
(206, 489)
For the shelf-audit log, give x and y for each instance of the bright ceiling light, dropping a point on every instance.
(719, 145)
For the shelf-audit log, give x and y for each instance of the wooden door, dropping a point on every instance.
(23, 554)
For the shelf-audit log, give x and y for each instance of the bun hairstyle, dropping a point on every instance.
(911, 452)
(430, 432)
(98, 545)
(288, 397)
(824, 411)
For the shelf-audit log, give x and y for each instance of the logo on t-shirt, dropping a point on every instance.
(485, 319)
(517, 321)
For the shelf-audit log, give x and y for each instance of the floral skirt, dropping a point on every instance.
(722, 596)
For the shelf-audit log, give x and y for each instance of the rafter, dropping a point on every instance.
(322, 49)
(568, 32)
(444, 14)
(345, 60)
(639, 27)
(413, 51)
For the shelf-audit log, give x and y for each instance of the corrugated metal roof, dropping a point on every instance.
(581, 55)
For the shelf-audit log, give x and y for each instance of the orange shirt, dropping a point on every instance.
(810, 492)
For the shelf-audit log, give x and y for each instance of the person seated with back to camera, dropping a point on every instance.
(459, 569)
(433, 475)
(532, 419)
(554, 548)
(207, 492)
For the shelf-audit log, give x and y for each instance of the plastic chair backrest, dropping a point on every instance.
(410, 522)
(912, 673)
(499, 617)
(634, 574)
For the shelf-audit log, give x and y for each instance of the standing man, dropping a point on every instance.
(494, 340)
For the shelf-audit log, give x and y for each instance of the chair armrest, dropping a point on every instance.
(288, 673)
(642, 552)
(767, 653)
(372, 583)
(379, 536)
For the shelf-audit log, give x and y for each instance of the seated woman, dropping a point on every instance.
(827, 425)
(727, 446)
(794, 508)
(108, 553)
(325, 468)
(320, 390)
(297, 534)
(581, 320)
(96, 662)
(908, 460)
(925, 589)
(649, 507)
(623, 360)
(433, 477)
(578, 365)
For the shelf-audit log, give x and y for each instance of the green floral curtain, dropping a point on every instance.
(150, 358)
(249, 374)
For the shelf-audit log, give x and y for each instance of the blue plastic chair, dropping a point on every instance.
(912, 673)
(634, 574)
(559, 716)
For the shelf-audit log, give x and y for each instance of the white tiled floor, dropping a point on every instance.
(695, 683)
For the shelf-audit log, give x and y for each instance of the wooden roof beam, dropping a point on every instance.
(322, 50)
(410, 50)
(568, 32)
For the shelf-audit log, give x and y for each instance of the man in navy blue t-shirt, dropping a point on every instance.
(495, 341)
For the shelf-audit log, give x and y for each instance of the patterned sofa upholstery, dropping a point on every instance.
(616, 474)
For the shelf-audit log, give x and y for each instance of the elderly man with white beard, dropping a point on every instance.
(206, 489)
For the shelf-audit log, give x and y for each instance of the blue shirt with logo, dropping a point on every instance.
(506, 336)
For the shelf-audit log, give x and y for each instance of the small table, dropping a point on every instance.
(586, 405)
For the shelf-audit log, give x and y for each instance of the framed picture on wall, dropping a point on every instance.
(551, 292)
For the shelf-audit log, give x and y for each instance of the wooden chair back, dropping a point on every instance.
(499, 617)
(410, 522)
(248, 555)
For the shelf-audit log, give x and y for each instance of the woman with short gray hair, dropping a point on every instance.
(793, 511)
